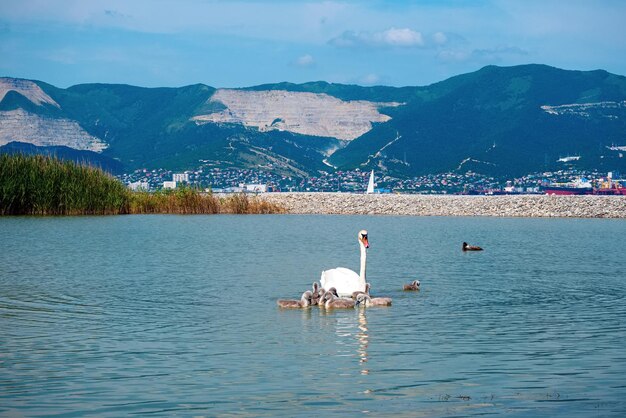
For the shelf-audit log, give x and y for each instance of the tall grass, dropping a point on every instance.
(180, 201)
(191, 201)
(40, 185)
(241, 203)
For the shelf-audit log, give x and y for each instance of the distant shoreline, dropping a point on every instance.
(528, 206)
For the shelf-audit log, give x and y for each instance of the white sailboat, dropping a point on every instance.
(370, 185)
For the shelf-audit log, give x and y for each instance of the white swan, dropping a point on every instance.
(345, 280)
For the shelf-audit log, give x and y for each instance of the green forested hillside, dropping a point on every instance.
(493, 121)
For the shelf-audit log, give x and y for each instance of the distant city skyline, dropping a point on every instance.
(243, 43)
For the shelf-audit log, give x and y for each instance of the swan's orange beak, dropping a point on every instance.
(365, 242)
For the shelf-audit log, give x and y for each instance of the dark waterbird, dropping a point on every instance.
(467, 247)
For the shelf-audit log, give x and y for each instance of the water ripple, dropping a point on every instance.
(177, 316)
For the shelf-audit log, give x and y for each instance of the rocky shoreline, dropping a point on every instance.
(451, 205)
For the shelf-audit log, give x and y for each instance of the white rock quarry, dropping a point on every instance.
(26, 88)
(297, 112)
(582, 109)
(22, 126)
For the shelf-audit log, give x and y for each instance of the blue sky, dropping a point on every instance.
(243, 43)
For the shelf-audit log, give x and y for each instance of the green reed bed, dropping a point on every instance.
(39, 185)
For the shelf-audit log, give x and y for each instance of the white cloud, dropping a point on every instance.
(393, 37)
(399, 37)
(370, 79)
(305, 61)
(257, 19)
(244, 33)
(495, 54)
(453, 56)
(439, 38)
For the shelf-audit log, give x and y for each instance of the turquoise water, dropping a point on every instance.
(176, 315)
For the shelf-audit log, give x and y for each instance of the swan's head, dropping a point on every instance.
(306, 297)
(363, 238)
(362, 298)
(329, 295)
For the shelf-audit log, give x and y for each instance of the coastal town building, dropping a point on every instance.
(139, 185)
(255, 188)
(233, 180)
(181, 177)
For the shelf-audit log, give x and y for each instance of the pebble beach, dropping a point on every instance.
(544, 206)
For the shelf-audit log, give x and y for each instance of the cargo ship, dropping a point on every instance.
(612, 186)
(580, 186)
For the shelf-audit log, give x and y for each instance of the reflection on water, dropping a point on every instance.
(350, 328)
(175, 315)
(363, 340)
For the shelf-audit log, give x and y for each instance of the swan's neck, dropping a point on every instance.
(363, 262)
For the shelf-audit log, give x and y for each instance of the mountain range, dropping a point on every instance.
(501, 121)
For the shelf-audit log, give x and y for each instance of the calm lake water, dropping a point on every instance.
(177, 315)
